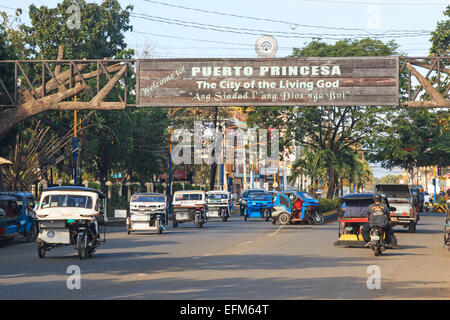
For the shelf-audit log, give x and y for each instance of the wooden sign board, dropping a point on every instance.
(349, 81)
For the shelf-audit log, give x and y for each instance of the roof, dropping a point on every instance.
(5, 197)
(74, 188)
(18, 194)
(354, 196)
(182, 191)
(149, 194)
(217, 191)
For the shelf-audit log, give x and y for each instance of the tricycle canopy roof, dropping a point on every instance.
(17, 195)
(5, 197)
(357, 196)
(149, 194)
(73, 188)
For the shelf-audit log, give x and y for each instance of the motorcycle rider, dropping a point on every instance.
(378, 214)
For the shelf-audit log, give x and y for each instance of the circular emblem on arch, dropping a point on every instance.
(266, 46)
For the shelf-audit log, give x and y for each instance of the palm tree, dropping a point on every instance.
(312, 164)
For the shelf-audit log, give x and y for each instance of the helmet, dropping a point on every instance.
(377, 197)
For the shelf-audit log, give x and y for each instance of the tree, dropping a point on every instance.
(440, 38)
(412, 138)
(332, 129)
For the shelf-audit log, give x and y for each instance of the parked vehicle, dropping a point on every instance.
(400, 196)
(352, 215)
(188, 206)
(259, 205)
(244, 199)
(294, 207)
(148, 212)
(219, 204)
(70, 216)
(17, 216)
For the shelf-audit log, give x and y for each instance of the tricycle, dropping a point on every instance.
(189, 205)
(148, 212)
(219, 204)
(17, 216)
(69, 216)
(244, 199)
(296, 207)
(259, 205)
(352, 216)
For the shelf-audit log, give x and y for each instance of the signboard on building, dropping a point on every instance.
(341, 81)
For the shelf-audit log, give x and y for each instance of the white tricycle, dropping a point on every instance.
(69, 216)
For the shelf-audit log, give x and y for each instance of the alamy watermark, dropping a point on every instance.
(74, 280)
(74, 21)
(206, 145)
(374, 280)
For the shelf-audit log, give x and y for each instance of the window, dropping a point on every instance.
(71, 201)
(217, 196)
(188, 196)
(147, 199)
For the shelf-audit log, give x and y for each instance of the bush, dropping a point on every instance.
(327, 205)
(160, 188)
(93, 185)
(177, 187)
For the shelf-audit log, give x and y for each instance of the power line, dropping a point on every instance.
(259, 31)
(290, 23)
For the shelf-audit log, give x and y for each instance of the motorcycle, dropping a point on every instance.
(426, 207)
(378, 241)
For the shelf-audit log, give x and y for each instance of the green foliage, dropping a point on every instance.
(440, 38)
(177, 187)
(391, 178)
(412, 138)
(101, 32)
(93, 185)
(160, 188)
(327, 205)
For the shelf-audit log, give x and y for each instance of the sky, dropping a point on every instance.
(176, 29)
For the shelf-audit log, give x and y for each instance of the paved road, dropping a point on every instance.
(233, 260)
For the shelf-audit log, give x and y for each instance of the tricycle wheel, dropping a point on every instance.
(82, 249)
(31, 235)
(128, 229)
(284, 218)
(3, 242)
(41, 250)
(245, 217)
(412, 227)
(175, 224)
(376, 250)
(274, 221)
(318, 218)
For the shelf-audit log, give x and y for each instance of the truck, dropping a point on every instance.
(400, 197)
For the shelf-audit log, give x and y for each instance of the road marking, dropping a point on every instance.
(274, 233)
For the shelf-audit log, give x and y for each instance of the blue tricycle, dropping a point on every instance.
(17, 216)
(259, 205)
(296, 206)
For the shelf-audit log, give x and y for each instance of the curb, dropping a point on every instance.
(330, 215)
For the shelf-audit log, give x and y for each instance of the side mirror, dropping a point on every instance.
(393, 209)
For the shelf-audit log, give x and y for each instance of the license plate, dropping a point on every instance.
(375, 237)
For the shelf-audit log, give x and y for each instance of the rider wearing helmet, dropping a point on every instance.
(378, 214)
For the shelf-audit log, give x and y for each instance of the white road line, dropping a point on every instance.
(274, 233)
